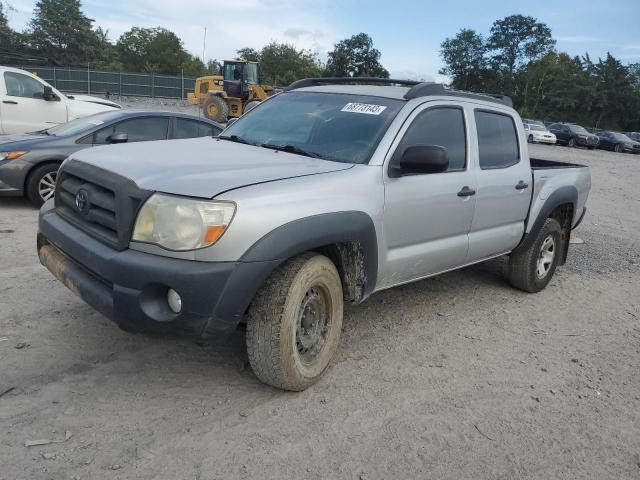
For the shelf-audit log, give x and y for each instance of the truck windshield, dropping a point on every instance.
(331, 126)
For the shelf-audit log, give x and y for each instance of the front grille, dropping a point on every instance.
(99, 202)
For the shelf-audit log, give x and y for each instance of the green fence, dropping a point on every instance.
(95, 82)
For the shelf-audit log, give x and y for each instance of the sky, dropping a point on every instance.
(408, 33)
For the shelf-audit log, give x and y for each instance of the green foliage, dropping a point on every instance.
(515, 40)
(282, 63)
(356, 57)
(59, 30)
(156, 50)
(518, 59)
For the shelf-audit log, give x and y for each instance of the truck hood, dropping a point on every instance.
(202, 167)
(95, 100)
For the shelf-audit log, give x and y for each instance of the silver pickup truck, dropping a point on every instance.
(323, 194)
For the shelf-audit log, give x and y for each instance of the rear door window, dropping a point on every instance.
(186, 128)
(497, 140)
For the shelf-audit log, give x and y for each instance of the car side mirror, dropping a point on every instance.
(420, 159)
(118, 137)
(48, 94)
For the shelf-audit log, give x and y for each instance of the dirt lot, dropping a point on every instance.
(458, 376)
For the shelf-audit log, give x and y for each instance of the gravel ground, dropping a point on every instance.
(458, 376)
(145, 103)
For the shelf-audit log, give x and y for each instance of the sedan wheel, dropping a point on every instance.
(41, 183)
(530, 139)
(571, 143)
(618, 148)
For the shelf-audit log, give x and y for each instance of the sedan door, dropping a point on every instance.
(24, 108)
(138, 129)
(427, 216)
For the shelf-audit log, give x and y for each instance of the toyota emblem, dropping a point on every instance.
(82, 201)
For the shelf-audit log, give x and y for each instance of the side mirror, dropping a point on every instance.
(420, 159)
(48, 94)
(118, 137)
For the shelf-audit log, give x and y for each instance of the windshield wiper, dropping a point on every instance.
(234, 138)
(291, 149)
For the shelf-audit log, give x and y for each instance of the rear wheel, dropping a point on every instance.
(571, 143)
(532, 269)
(250, 105)
(215, 108)
(530, 139)
(294, 323)
(618, 148)
(41, 184)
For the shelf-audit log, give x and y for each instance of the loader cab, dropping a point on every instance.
(238, 76)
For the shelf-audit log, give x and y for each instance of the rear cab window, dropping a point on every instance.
(498, 144)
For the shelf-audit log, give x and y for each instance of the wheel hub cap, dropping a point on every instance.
(312, 324)
(47, 186)
(546, 256)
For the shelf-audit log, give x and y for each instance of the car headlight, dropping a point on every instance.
(11, 155)
(179, 223)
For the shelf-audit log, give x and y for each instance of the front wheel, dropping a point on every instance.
(41, 184)
(294, 323)
(532, 269)
(530, 139)
(571, 143)
(618, 148)
(215, 108)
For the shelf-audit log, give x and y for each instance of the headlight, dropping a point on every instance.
(178, 223)
(11, 155)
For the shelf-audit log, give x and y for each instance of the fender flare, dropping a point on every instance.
(309, 233)
(563, 195)
(292, 239)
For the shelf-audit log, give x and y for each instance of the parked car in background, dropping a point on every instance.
(635, 136)
(28, 103)
(29, 163)
(617, 142)
(537, 133)
(573, 135)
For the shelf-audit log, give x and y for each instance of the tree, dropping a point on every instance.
(356, 57)
(516, 40)
(6, 33)
(248, 54)
(156, 50)
(616, 104)
(282, 64)
(465, 61)
(60, 31)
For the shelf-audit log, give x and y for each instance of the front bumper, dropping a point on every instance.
(8, 191)
(550, 141)
(130, 287)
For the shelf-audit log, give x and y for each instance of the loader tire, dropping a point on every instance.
(215, 108)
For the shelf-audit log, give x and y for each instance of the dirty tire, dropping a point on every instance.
(274, 317)
(215, 108)
(37, 186)
(523, 267)
(250, 106)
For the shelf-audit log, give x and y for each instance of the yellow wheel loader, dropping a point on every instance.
(230, 95)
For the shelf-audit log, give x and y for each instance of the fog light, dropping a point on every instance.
(174, 301)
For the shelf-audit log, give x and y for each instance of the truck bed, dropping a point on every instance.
(540, 164)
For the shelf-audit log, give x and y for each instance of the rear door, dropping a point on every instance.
(504, 180)
(426, 223)
(139, 129)
(24, 108)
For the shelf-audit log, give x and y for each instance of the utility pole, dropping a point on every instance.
(204, 44)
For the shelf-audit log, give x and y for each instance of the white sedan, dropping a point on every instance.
(539, 134)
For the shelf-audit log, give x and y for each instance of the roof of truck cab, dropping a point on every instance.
(385, 91)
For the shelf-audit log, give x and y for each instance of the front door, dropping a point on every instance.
(426, 217)
(24, 108)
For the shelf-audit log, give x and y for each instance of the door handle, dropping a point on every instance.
(466, 192)
(10, 102)
(521, 185)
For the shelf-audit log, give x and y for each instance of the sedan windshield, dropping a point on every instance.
(81, 125)
(331, 126)
(578, 129)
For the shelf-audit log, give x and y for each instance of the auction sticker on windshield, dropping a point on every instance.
(365, 108)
